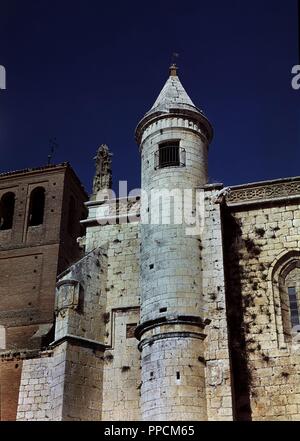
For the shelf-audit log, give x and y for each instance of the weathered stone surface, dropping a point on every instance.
(262, 246)
(157, 324)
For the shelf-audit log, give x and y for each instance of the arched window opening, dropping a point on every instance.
(7, 208)
(36, 207)
(294, 307)
(72, 217)
(289, 285)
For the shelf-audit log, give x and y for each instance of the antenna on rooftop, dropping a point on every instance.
(53, 146)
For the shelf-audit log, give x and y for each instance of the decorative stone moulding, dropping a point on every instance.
(263, 192)
(146, 332)
(184, 118)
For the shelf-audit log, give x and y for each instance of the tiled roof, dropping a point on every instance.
(28, 170)
(44, 168)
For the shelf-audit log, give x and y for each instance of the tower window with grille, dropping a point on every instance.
(169, 154)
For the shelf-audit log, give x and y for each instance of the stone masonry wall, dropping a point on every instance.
(64, 384)
(68, 385)
(216, 356)
(173, 379)
(35, 390)
(83, 380)
(81, 298)
(121, 376)
(260, 237)
(122, 382)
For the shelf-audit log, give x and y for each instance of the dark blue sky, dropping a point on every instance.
(85, 71)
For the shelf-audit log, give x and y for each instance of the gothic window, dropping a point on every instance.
(169, 154)
(36, 207)
(294, 307)
(289, 285)
(7, 208)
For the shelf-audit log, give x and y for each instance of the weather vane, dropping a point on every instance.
(175, 55)
(53, 146)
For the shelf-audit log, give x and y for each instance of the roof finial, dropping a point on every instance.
(173, 70)
(173, 67)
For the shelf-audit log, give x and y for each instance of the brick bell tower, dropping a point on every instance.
(173, 138)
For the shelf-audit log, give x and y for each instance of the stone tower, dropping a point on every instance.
(173, 138)
(40, 210)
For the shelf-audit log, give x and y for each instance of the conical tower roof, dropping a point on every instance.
(174, 100)
(173, 96)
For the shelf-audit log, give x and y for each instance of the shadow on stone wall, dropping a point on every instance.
(241, 376)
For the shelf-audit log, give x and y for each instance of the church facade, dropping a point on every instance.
(186, 313)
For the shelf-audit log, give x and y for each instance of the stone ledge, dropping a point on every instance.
(79, 341)
(166, 335)
(24, 354)
(165, 320)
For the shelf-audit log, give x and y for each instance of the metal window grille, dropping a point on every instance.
(169, 155)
